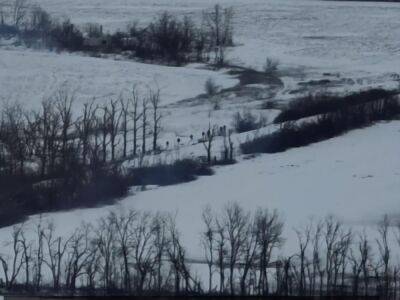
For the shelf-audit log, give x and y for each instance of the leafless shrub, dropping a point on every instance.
(247, 121)
(271, 66)
(210, 87)
(219, 22)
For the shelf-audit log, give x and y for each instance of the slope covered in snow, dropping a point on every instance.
(355, 177)
(336, 35)
(31, 76)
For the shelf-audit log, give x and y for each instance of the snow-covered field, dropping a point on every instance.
(32, 76)
(341, 36)
(352, 41)
(355, 176)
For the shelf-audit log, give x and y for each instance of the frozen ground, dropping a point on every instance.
(353, 42)
(31, 76)
(326, 35)
(355, 177)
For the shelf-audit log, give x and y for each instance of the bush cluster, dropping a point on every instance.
(52, 159)
(326, 125)
(315, 104)
(247, 121)
(166, 39)
(166, 174)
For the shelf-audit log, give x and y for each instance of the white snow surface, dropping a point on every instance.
(32, 76)
(355, 177)
(337, 35)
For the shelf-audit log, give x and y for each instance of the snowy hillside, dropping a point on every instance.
(355, 177)
(327, 35)
(29, 77)
(319, 47)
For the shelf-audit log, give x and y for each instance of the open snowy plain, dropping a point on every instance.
(342, 36)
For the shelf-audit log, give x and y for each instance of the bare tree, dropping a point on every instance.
(105, 239)
(63, 102)
(135, 116)
(56, 248)
(269, 232)
(155, 105)
(208, 139)
(93, 264)
(48, 128)
(13, 138)
(249, 254)
(221, 249)
(228, 145)
(345, 242)
(78, 255)
(31, 134)
(96, 153)
(3, 5)
(38, 254)
(219, 24)
(124, 230)
(104, 128)
(208, 241)
(13, 263)
(318, 269)
(304, 238)
(384, 252)
(145, 107)
(27, 257)
(124, 103)
(85, 126)
(19, 11)
(397, 236)
(114, 119)
(40, 21)
(331, 237)
(235, 222)
(359, 260)
(144, 250)
(177, 257)
(161, 243)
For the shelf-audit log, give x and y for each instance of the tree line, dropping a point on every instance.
(53, 157)
(330, 115)
(167, 39)
(56, 158)
(323, 103)
(136, 253)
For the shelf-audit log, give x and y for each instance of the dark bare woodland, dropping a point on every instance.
(166, 40)
(141, 253)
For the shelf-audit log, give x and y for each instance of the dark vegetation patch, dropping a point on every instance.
(384, 106)
(247, 121)
(52, 160)
(315, 104)
(21, 196)
(316, 82)
(324, 83)
(163, 174)
(269, 104)
(165, 40)
(269, 86)
(248, 76)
